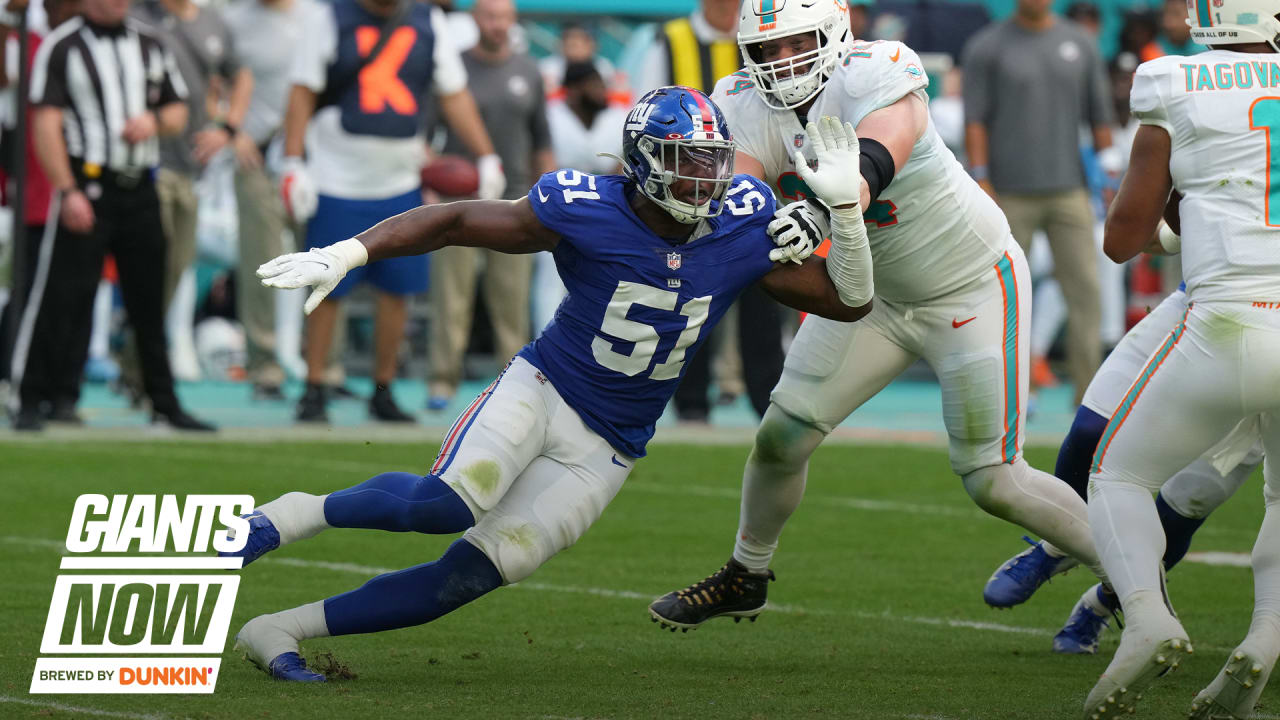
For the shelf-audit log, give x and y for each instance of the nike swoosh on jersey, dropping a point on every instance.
(896, 54)
(616, 462)
(958, 323)
(542, 197)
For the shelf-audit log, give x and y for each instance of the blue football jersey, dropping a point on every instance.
(638, 306)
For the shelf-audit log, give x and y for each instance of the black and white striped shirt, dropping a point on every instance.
(100, 77)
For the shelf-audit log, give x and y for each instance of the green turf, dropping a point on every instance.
(885, 552)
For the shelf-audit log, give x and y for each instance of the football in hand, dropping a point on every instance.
(451, 176)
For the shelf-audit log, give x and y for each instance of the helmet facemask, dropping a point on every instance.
(791, 82)
(707, 164)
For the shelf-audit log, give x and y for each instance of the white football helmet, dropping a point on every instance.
(789, 83)
(1232, 22)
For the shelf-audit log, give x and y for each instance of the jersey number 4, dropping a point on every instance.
(645, 336)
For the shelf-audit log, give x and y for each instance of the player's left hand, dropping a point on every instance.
(797, 229)
(319, 268)
(492, 180)
(838, 179)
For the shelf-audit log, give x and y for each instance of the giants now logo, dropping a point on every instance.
(152, 613)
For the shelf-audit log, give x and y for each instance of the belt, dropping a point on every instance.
(127, 179)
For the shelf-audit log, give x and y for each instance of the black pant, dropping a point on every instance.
(760, 342)
(126, 224)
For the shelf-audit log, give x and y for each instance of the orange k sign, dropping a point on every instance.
(380, 84)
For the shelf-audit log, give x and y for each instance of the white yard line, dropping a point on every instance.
(1221, 559)
(49, 704)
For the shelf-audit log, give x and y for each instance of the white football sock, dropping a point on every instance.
(1264, 631)
(296, 515)
(1039, 502)
(269, 636)
(772, 485)
(1129, 538)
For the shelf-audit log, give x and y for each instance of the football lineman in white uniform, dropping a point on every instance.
(951, 287)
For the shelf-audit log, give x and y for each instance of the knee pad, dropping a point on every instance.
(784, 440)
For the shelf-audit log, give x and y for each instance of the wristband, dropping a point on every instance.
(351, 252)
(979, 173)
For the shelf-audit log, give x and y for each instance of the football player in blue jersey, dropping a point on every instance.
(651, 259)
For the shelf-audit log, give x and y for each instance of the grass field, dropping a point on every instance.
(877, 611)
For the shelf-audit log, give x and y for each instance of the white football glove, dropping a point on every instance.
(297, 190)
(320, 268)
(492, 181)
(797, 229)
(838, 179)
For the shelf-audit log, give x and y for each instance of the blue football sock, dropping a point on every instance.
(413, 596)
(1076, 455)
(400, 502)
(1178, 530)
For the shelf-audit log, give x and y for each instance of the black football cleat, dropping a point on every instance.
(732, 591)
(312, 406)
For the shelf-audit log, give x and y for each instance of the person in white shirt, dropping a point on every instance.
(364, 156)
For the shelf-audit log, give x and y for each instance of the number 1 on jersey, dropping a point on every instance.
(1264, 115)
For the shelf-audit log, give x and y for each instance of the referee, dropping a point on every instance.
(103, 87)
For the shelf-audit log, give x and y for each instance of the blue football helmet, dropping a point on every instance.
(677, 148)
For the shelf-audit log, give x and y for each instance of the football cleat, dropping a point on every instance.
(732, 591)
(1148, 650)
(1234, 692)
(1087, 621)
(1014, 582)
(260, 640)
(263, 538)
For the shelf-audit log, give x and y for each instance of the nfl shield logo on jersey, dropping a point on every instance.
(799, 139)
(673, 260)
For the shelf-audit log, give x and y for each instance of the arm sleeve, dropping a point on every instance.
(49, 76)
(1146, 100)
(554, 209)
(172, 87)
(977, 78)
(758, 244)
(539, 129)
(450, 74)
(311, 60)
(1099, 89)
(745, 133)
(892, 72)
(230, 64)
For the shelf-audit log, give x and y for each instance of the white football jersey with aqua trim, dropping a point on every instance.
(932, 230)
(1222, 111)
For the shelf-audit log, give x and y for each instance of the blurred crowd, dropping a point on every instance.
(305, 121)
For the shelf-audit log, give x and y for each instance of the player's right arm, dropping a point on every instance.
(508, 226)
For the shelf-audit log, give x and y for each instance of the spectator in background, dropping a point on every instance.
(201, 44)
(58, 398)
(577, 44)
(361, 70)
(1032, 82)
(1138, 34)
(265, 34)
(694, 51)
(1086, 15)
(583, 125)
(99, 159)
(509, 92)
(859, 12)
(1176, 36)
